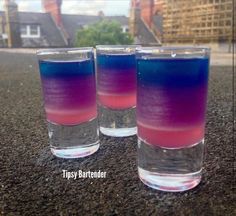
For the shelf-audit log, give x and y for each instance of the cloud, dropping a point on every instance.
(1, 5)
(34, 6)
(91, 7)
(24, 6)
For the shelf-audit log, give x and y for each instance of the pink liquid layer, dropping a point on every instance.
(171, 138)
(117, 101)
(71, 117)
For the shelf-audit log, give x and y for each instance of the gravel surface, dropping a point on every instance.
(31, 181)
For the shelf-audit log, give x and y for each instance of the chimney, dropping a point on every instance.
(134, 17)
(54, 8)
(101, 14)
(12, 24)
(147, 7)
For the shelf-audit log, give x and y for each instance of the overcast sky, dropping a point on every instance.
(109, 7)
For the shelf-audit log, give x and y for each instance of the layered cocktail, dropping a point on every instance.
(69, 89)
(171, 108)
(116, 72)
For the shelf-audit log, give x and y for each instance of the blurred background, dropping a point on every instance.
(58, 23)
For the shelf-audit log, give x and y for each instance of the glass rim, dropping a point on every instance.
(58, 51)
(116, 47)
(161, 49)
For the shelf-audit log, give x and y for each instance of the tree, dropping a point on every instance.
(103, 33)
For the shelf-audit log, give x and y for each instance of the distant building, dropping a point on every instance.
(12, 24)
(183, 21)
(52, 29)
(145, 26)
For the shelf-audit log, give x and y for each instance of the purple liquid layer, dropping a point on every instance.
(69, 93)
(116, 80)
(171, 108)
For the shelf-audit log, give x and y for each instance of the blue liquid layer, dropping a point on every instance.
(173, 72)
(66, 69)
(116, 61)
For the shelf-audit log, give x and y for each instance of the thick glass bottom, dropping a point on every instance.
(117, 123)
(75, 152)
(171, 170)
(74, 141)
(169, 182)
(119, 132)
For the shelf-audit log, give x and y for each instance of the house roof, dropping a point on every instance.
(49, 31)
(50, 34)
(72, 23)
(123, 20)
(158, 22)
(144, 35)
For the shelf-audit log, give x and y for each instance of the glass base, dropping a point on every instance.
(74, 141)
(119, 132)
(117, 123)
(169, 182)
(76, 152)
(171, 170)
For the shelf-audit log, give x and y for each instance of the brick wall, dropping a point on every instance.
(146, 7)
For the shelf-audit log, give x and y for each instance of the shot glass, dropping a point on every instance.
(171, 107)
(69, 90)
(116, 90)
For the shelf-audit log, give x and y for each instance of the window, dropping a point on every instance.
(23, 29)
(228, 22)
(85, 26)
(33, 30)
(222, 7)
(30, 31)
(125, 29)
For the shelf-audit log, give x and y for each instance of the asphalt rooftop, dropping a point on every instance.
(31, 178)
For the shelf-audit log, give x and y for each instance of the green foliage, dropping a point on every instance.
(103, 33)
